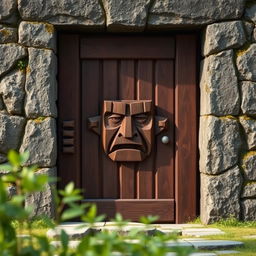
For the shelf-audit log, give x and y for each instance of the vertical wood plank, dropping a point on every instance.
(91, 173)
(69, 107)
(145, 92)
(109, 168)
(164, 96)
(126, 92)
(186, 128)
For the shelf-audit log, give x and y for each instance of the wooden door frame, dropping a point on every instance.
(186, 177)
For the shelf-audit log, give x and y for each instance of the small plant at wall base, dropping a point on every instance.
(68, 206)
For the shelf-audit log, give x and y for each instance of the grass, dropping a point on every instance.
(235, 230)
(39, 227)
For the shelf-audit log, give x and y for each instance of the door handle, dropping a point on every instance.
(165, 139)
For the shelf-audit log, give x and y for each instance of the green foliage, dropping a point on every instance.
(22, 64)
(14, 218)
(233, 222)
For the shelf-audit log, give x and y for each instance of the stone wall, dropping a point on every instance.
(227, 143)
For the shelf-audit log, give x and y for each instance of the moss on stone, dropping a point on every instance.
(242, 50)
(248, 154)
(5, 32)
(40, 119)
(245, 117)
(228, 117)
(49, 28)
(249, 182)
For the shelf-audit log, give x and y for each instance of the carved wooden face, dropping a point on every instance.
(127, 129)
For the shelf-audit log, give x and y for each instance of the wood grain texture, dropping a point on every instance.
(186, 128)
(127, 174)
(134, 209)
(69, 109)
(145, 83)
(91, 168)
(164, 94)
(127, 47)
(110, 170)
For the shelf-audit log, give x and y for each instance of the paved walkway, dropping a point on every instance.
(198, 233)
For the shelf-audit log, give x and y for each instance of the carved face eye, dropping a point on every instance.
(141, 119)
(115, 120)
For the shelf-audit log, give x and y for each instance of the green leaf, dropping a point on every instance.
(70, 199)
(148, 219)
(18, 199)
(72, 213)
(92, 212)
(64, 240)
(3, 193)
(44, 243)
(69, 188)
(14, 158)
(24, 157)
(6, 167)
(9, 178)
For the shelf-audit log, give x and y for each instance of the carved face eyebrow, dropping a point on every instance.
(128, 107)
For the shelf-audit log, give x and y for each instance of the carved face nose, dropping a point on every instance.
(127, 129)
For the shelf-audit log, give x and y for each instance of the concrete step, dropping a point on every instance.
(196, 244)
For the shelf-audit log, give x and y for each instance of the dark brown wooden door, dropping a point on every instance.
(157, 68)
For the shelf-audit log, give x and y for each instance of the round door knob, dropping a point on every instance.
(165, 139)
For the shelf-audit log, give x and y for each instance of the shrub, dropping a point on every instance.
(14, 217)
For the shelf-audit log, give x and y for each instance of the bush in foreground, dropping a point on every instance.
(68, 206)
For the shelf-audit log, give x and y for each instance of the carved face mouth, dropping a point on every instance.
(128, 146)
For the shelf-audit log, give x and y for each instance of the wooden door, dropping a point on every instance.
(130, 70)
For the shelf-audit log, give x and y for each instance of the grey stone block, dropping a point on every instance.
(192, 12)
(3, 158)
(75, 231)
(63, 12)
(220, 195)
(219, 143)
(11, 130)
(248, 93)
(126, 14)
(11, 191)
(222, 36)
(41, 142)
(216, 244)
(1, 103)
(37, 34)
(250, 13)
(249, 126)
(9, 55)
(249, 191)
(246, 63)
(12, 90)
(248, 29)
(248, 164)
(254, 35)
(219, 85)
(8, 35)
(249, 209)
(8, 13)
(41, 84)
(199, 232)
(43, 202)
